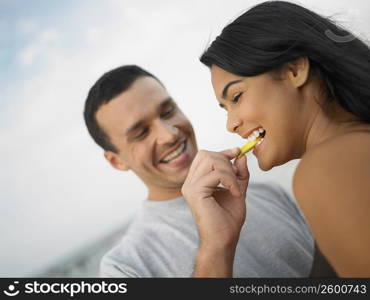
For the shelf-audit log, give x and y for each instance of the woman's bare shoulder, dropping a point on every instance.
(342, 163)
(332, 186)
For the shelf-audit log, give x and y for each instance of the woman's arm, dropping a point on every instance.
(332, 186)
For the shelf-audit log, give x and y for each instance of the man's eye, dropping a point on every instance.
(236, 97)
(142, 133)
(168, 113)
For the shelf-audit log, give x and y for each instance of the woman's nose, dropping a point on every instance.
(233, 125)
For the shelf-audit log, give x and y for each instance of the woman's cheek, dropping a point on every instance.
(252, 110)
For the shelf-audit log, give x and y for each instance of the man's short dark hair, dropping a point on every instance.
(108, 86)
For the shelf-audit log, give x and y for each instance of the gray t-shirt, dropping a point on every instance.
(162, 239)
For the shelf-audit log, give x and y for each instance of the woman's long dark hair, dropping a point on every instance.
(276, 32)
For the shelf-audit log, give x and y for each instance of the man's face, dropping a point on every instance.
(152, 135)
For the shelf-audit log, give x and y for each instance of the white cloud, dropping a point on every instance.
(94, 35)
(40, 46)
(28, 55)
(26, 27)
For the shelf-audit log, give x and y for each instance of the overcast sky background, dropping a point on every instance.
(57, 192)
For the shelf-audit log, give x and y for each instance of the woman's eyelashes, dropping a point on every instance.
(236, 97)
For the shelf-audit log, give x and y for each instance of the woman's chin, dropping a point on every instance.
(264, 166)
(268, 164)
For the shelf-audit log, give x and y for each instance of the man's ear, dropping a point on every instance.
(298, 71)
(115, 161)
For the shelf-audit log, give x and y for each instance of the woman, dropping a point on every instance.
(304, 85)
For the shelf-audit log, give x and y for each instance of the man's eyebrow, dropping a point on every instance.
(165, 102)
(224, 92)
(140, 123)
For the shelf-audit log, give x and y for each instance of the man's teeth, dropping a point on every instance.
(255, 134)
(174, 154)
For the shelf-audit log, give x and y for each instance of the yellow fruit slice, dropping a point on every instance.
(248, 146)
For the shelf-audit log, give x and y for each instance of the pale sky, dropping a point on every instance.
(57, 191)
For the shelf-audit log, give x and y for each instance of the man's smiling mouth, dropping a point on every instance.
(174, 154)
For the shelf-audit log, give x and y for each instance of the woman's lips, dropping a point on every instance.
(256, 149)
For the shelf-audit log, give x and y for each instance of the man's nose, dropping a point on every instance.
(167, 133)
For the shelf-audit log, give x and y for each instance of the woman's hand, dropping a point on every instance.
(219, 212)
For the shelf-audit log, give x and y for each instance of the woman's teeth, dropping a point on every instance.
(174, 153)
(260, 142)
(255, 134)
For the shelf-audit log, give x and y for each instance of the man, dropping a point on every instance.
(129, 113)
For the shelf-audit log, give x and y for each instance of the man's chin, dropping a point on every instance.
(175, 176)
(178, 174)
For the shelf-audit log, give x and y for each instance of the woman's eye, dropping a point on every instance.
(236, 97)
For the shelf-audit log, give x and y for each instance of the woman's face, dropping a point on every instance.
(264, 102)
